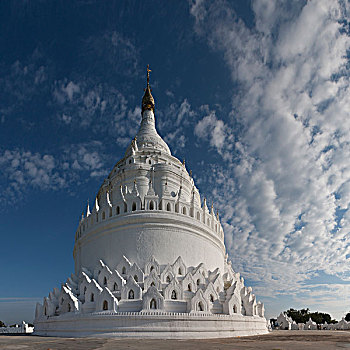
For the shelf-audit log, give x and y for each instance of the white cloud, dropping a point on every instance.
(22, 81)
(67, 119)
(86, 157)
(24, 171)
(99, 107)
(219, 134)
(290, 161)
(174, 120)
(213, 129)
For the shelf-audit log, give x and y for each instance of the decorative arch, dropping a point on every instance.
(105, 305)
(199, 303)
(131, 290)
(184, 211)
(153, 280)
(137, 273)
(167, 274)
(103, 216)
(118, 210)
(151, 265)
(189, 284)
(168, 208)
(200, 306)
(151, 205)
(152, 299)
(210, 293)
(153, 304)
(133, 206)
(173, 291)
(179, 267)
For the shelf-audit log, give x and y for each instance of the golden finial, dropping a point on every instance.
(148, 70)
(148, 100)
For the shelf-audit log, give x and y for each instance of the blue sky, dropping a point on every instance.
(253, 94)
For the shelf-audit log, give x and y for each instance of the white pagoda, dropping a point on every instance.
(150, 258)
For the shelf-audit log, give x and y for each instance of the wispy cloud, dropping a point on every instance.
(216, 131)
(23, 171)
(98, 107)
(113, 50)
(174, 120)
(21, 81)
(287, 209)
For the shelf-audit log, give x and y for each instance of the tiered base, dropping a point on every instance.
(161, 325)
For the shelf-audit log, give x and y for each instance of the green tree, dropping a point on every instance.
(303, 315)
(347, 317)
(2, 324)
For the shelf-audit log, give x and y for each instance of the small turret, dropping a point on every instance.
(88, 213)
(150, 191)
(135, 190)
(97, 207)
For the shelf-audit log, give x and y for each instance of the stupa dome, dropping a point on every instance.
(150, 258)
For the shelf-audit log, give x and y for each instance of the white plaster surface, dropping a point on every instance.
(19, 329)
(150, 259)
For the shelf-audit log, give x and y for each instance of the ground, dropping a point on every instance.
(276, 340)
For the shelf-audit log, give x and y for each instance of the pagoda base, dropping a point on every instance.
(156, 325)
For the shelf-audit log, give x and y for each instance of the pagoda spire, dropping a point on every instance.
(147, 99)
